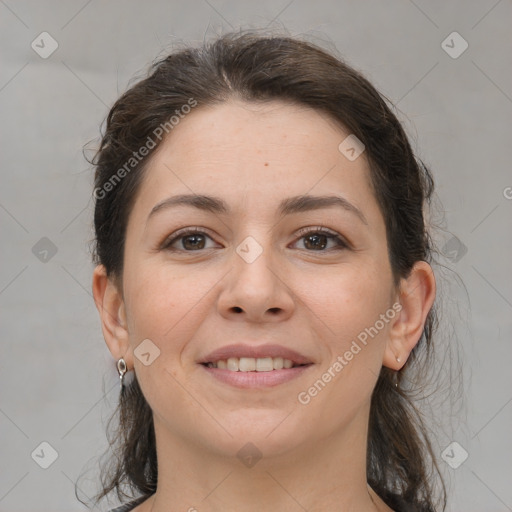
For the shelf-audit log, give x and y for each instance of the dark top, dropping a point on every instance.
(393, 501)
(130, 505)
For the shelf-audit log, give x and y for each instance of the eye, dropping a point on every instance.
(316, 239)
(192, 239)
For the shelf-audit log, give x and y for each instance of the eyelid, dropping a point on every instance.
(315, 229)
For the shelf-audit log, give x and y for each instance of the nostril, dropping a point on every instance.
(236, 309)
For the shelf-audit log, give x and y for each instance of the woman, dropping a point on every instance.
(263, 276)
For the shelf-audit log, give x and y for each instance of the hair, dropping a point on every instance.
(401, 465)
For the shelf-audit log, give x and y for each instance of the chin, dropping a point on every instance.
(272, 432)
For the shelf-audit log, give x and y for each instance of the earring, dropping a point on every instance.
(121, 368)
(398, 360)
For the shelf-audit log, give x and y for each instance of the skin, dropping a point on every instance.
(316, 301)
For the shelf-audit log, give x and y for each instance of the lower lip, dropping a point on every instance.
(251, 380)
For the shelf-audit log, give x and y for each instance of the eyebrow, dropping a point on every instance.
(296, 204)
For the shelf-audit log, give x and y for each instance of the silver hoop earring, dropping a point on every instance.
(121, 368)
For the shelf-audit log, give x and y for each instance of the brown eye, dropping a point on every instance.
(315, 241)
(193, 242)
(318, 239)
(186, 240)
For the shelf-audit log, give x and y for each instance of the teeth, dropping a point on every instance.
(278, 363)
(252, 364)
(247, 364)
(264, 364)
(232, 364)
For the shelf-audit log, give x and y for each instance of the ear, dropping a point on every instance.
(111, 307)
(416, 296)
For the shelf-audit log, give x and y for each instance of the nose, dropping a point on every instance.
(256, 290)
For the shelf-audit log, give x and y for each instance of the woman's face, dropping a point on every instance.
(252, 276)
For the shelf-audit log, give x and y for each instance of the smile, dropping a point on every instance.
(252, 364)
(240, 375)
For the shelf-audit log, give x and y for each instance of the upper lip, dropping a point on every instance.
(258, 351)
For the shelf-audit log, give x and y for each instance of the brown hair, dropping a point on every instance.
(401, 465)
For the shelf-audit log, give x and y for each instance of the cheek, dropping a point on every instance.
(347, 311)
(347, 303)
(164, 306)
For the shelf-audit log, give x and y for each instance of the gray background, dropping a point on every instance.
(58, 382)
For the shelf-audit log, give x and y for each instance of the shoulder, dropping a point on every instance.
(126, 507)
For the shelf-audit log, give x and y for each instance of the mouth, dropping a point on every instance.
(255, 367)
(254, 358)
(252, 364)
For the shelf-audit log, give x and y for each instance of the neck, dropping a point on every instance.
(193, 478)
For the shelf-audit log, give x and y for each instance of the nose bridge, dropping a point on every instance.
(250, 250)
(255, 287)
(253, 264)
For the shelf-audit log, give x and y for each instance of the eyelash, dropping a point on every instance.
(341, 243)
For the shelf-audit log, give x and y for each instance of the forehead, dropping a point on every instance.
(255, 154)
(241, 130)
